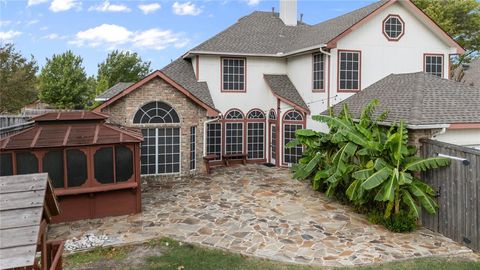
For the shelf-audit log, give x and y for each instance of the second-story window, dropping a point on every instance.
(318, 71)
(434, 64)
(233, 74)
(349, 70)
(393, 27)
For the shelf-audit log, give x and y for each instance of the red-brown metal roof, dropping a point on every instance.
(70, 116)
(69, 131)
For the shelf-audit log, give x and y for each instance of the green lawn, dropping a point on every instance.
(172, 255)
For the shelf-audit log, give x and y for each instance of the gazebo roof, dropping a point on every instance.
(66, 129)
(24, 199)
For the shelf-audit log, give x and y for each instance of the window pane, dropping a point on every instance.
(193, 131)
(233, 74)
(76, 168)
(26, 163)
(6, 164)
(53, 164)
(123, 163)
(103, 165)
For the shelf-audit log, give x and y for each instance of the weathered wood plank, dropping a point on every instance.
(20, 217)
(16, 183)
(17, 256)
(29, 199)
(23, 236)
(459, 202)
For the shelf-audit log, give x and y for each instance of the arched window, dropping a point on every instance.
(256, 134)
(234, 114)
(234, 132)
(156, 112)
(293, 116)
(256, 114)
(293, 121)
(272, 115)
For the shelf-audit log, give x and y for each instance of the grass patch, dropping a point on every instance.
(169, 254)
(79, 259)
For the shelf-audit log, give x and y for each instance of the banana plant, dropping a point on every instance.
(370, 162)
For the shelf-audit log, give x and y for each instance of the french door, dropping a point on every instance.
(273, 144)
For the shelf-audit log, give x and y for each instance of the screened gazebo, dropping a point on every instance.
(93, 165)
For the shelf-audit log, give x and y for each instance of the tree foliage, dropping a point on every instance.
(63, 82)
(17, 79)
(459, 18)
(121, 67)
(371, 165)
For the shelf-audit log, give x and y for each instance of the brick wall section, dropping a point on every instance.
(414, 136)
(123, 110)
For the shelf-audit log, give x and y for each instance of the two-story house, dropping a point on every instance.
(248, 88)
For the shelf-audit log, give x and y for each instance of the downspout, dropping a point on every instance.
(329, 55)
(205, 133)
(442, 131)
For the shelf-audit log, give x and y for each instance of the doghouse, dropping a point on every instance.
(94, 166)
(27, 207)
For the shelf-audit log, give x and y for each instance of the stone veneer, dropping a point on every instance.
(123, 110)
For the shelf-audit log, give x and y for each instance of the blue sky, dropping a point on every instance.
(158, 30)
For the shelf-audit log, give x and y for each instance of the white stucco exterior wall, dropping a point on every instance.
(464, 137)
(257, 95)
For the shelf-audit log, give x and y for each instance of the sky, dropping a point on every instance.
(159, 31)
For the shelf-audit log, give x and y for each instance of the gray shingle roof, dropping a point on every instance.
(265, 33)
(181, 71)
(112, 91)
(419, 99)
(469, 73)
(282, 86)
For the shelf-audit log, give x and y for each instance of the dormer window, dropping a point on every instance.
(393, 27)
(233, 74)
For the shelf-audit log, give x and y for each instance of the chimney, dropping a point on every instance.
(288, 12)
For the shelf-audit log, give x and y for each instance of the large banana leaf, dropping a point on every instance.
(362, 174)
(332, 121)
(355, 191)
(387, 193)
(404, 178)
(427, 202)
(377, 178)
(307, 170)
(410, 202)
(306, 132)
(426, 164)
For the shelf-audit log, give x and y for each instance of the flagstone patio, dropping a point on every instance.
(261, 211)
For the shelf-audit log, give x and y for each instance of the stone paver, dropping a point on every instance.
(261, 211)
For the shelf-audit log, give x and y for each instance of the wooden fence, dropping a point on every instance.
(458, 193)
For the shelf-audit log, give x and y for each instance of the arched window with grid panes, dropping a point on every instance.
(256, 134)
(292, 121)
(234, 132)
(160, 149)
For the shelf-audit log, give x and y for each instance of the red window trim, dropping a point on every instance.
(434, 54)
(339, 90)
(320, 90)
(244, 76)
(383, 27)
(302, 122)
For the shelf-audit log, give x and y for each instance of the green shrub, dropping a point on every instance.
(367, 165)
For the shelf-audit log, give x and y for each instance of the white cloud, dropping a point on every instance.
(35, 2)
(149, 8)
(63, 5)
(252, 2)
(187, 8)
(112, 36)
(107, 7)
(159, 39)
(32, 22)
(54, 36)
(9, 35)
(44, 28)
(109, 34)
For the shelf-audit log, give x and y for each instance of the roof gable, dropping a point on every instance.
(178, 74)
(265, 34)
